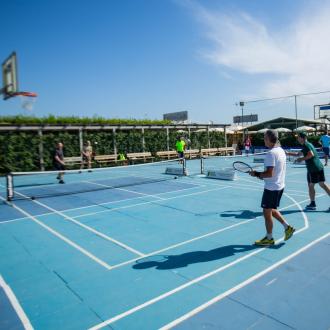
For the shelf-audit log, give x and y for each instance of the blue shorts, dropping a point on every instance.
(181, 154)
(326, 151)
(271, 199)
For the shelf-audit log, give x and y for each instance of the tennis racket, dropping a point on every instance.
(242, 167)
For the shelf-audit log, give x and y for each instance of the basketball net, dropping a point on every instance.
(27, 102)
(27, 99)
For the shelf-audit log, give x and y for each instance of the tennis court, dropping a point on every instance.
(134, 248)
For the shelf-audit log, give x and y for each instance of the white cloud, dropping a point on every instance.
(295, 57)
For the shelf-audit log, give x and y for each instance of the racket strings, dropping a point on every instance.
(242, 167)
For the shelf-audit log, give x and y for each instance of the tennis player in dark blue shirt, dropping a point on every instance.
(58, 160)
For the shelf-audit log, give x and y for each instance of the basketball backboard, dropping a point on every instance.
(322, 111)
(9, 76)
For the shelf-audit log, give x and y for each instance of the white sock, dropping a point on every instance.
(285, 225)
(269, 236)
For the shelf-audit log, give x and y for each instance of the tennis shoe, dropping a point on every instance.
(289, 232)
(310, 207)
(61, 181)
(265, 242)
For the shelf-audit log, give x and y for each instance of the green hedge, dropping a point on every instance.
(20, 150)
(53, 120)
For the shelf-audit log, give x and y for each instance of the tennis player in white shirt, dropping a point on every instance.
(274, 179)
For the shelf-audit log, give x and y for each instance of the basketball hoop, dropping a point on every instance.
(27, 99)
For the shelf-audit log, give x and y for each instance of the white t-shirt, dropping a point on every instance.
(276, 158)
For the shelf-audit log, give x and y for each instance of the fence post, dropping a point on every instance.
(143, 140)
(189, 146)
(114, 143)
(225, 132)
(41, 150)
(167, 139)
(81, 142)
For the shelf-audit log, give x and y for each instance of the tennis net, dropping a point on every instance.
(33, 185)
(226, 162)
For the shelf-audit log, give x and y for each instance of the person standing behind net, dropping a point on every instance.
(180, 146)
(325, 142)
(247, 145)
(315, 170)
(274, 179)
(58, 160)
(87, 154)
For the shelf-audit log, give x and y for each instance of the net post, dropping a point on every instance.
(10, 189)
(202, 165)
(184, 167)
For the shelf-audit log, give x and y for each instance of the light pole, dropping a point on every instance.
(296, 110)
(241, 103)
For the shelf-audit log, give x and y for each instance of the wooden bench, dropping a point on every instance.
(227, 151)
(71, 161)
(192, 153)
(105, 158)
(210, 152)
(108, 159)
(171, 154)
(138, 156)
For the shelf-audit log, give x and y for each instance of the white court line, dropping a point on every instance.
(86, 227)
(197, 280)
(155, 195)
(14, 220)
(196, 186)
(126, 190)
(241, 285)
(205, 235)
(219, 185)
(295, 181)
(63, 238)
(129, 199)
(306, 226)
(151, 202)
(16, 305)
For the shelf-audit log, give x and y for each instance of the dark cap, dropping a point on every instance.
(302, 135)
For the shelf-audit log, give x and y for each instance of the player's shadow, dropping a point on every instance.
(247, 214)
(185, 259)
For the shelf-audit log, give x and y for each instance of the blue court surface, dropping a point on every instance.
(133, 248)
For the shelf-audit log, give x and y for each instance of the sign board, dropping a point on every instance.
(324, 111)
(246, 119)
(176, 116)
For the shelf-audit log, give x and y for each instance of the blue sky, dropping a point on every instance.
(142, 58)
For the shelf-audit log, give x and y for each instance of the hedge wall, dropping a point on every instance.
(19, 151)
